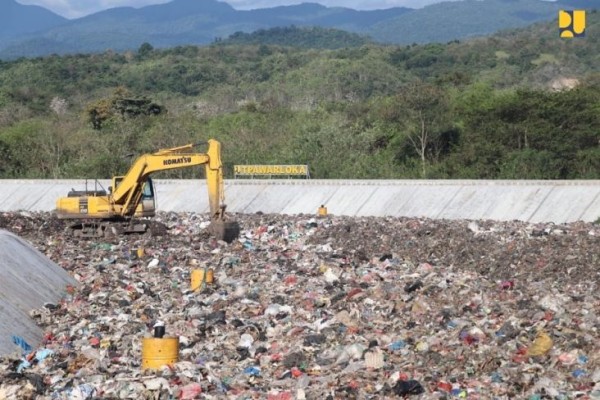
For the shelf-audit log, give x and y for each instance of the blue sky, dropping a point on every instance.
(79, 8)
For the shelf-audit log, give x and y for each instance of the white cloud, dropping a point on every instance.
(61, 7)
(79, 8)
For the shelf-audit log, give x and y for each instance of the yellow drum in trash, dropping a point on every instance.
(322, 211)
(140, 252)
(198, 276)
(158, 352)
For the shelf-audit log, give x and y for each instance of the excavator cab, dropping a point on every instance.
(147, 204)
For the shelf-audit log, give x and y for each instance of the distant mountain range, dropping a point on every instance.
(27, 31)
(17, 19)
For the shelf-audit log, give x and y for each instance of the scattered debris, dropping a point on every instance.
(320, 308)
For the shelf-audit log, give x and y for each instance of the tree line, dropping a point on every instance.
(519, 105)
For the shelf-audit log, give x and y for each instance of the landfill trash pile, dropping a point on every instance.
(320, 308)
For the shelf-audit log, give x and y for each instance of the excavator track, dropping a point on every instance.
(115, 229)
(227, 231)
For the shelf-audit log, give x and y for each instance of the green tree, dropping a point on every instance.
(145, 50)
(424, 116)
(122, 103)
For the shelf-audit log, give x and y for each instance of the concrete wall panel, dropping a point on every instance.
(28, 279)
(569, 203)
(535, 201)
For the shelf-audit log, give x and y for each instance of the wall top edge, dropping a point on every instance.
(332, 182)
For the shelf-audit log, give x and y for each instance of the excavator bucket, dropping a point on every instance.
(227, 231)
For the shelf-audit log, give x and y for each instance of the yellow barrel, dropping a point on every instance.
(198, 277)
(140, 252)
(158, 352)
(322, 211)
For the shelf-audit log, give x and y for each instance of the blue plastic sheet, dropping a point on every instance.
(19, 341)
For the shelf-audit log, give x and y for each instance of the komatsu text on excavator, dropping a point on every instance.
(131, 197)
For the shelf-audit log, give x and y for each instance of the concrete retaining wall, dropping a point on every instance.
(534, 201)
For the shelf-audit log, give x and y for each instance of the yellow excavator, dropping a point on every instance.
(130, 200)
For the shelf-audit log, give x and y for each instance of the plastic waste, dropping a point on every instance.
(406, 388)
(190, 391)
(252, 371)
(352, 308)
(19, 341)
(541, 345)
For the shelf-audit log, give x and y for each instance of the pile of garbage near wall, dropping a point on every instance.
(302, 307)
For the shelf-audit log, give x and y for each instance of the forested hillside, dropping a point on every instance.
(297, 37)
(200, 22)
(524, 104)
(451, 20)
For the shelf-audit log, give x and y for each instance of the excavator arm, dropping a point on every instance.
(126, 196)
